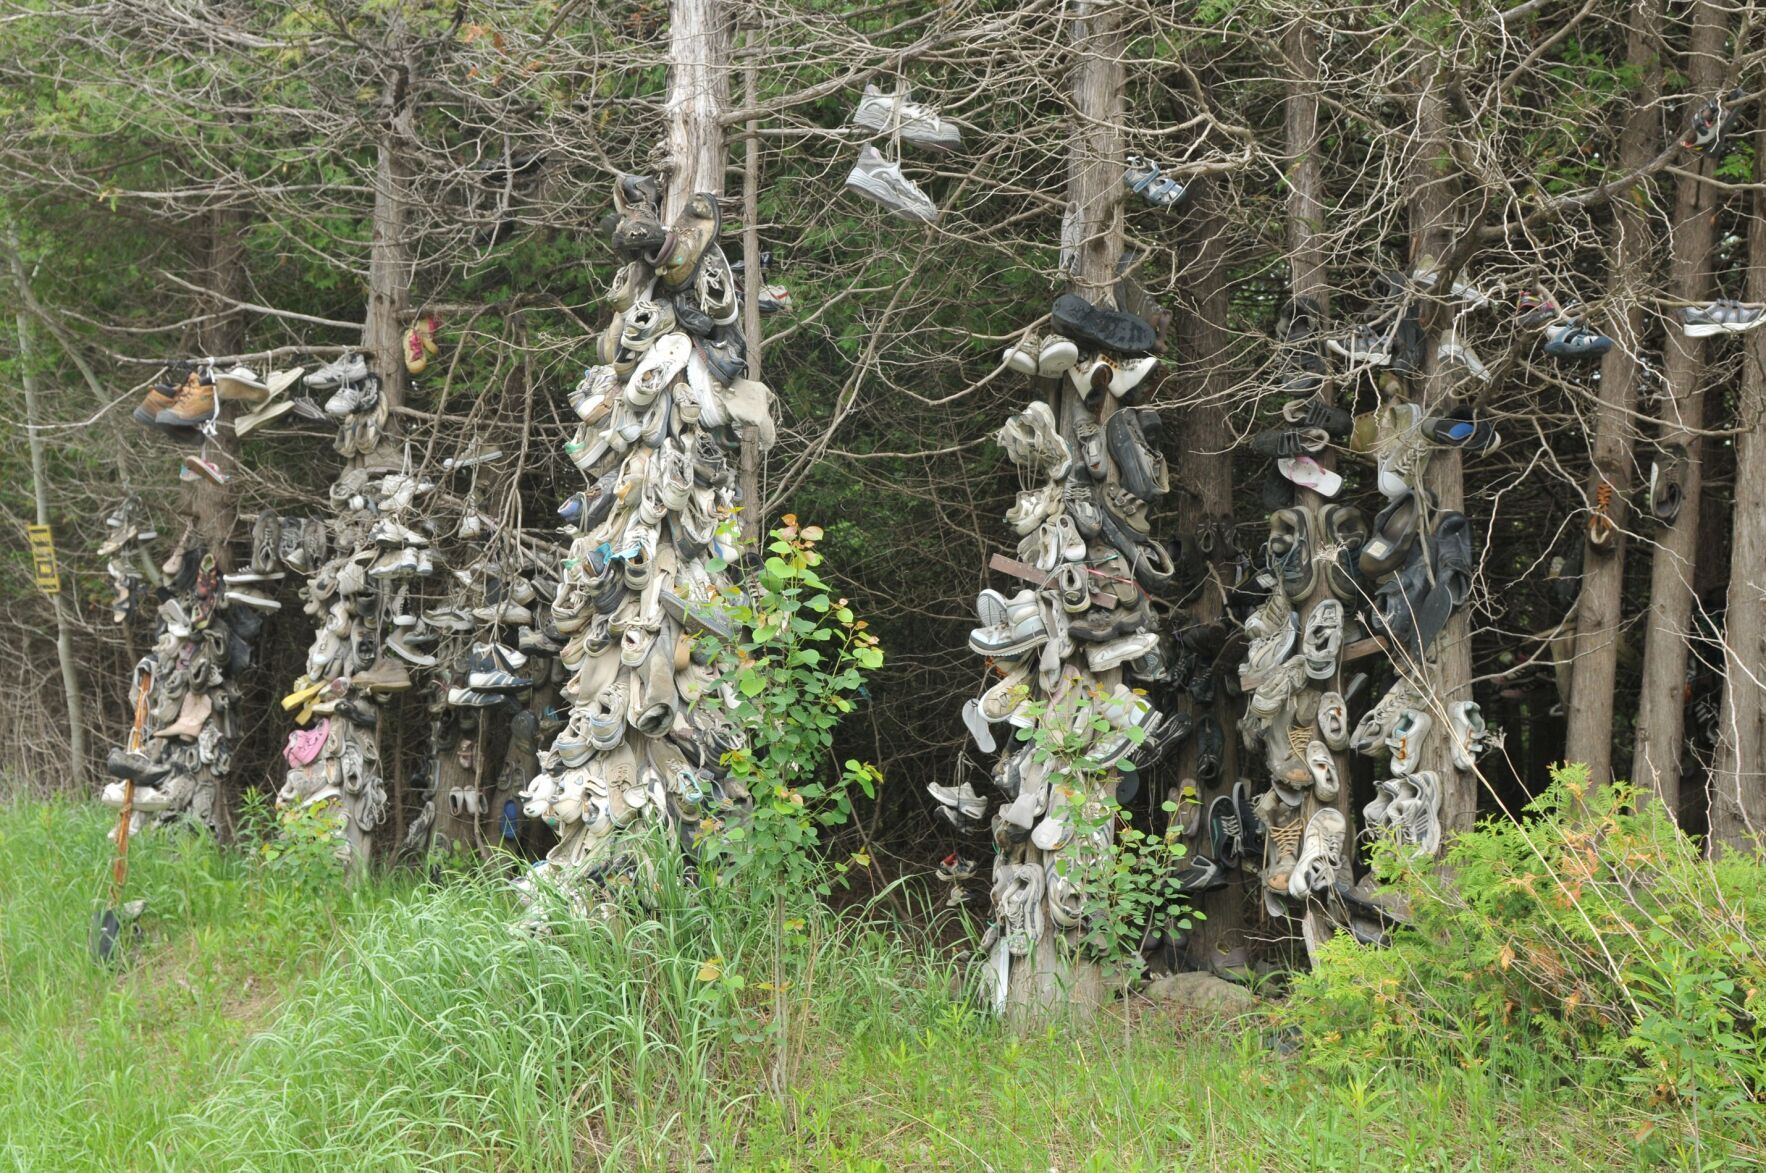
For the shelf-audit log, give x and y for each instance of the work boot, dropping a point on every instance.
(194, 404)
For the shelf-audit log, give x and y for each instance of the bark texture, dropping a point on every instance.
(1738, 786)
(1599, 605)
(1661, 705)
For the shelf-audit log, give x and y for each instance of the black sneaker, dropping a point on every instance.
(1114, 330)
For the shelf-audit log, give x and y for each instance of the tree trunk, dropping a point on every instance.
(214, 509)
(1738, 792)
(1053, 977)
(64, 619)
(383, 327)
(1204, 473)
(1667, 637)
(1599, 605)
(698, 92)
(389, 272)
(1447, 674)
(1307, 262)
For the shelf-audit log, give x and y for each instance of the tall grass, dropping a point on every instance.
(92, 1060)
(276, 1026)
(630, 1041)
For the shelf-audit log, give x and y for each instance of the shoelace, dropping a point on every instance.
(1286, 839)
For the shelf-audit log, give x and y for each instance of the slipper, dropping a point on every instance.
(1462, 429)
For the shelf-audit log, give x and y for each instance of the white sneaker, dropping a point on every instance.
(1333, 721)
(1472, 738)
(1057, 356)
(1021, 355)
(883, 113)
(1405, 743)
(1324, 771)
(881, 181)
(344, 369)
(1321, 854)
(1323, 640)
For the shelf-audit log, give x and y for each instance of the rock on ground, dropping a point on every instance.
(1200, 991)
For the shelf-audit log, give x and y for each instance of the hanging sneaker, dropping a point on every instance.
(420, 343)
(1363, 344)
(918, 124)
(1720, 317)
(1144, 179)
(1711, 122)
(881, 181)
(1576, 342)
(347, 368)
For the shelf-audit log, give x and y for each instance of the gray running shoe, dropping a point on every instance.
(881, 181)
(919, 125)
(1720, 317)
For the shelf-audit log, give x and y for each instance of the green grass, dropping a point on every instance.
(261, 1025)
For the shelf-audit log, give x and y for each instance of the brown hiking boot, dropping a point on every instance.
(195, 403)
(385, 676)
(151, 406)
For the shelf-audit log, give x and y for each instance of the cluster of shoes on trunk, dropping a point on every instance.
(185, 403)
(361, 566)
(201, 648)
(662, 416)
(1076, 649)
(355, 402)
(1333, 577)
(495, 667)
(880, 179)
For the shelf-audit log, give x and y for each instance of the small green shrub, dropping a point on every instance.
(1591, 937)
(798, 663)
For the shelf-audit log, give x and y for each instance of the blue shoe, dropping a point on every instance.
(1576, 341)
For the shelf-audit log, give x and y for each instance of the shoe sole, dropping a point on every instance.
(1710, 329)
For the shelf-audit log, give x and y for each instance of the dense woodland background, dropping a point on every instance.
(188, 179)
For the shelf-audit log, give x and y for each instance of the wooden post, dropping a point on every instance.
(748, 471)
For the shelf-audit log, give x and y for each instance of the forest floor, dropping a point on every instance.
(267, 1021)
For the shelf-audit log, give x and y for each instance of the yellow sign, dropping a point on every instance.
(43, 554)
